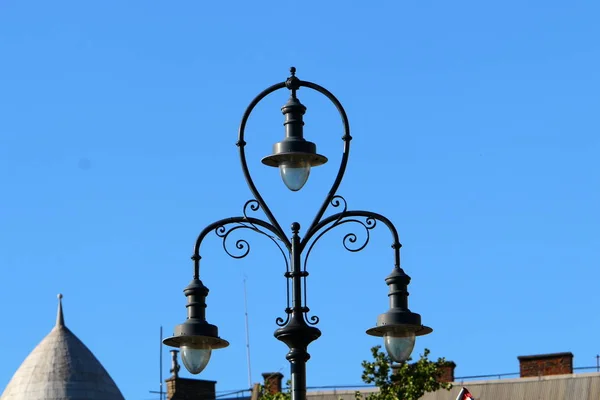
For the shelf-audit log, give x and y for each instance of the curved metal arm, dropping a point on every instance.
(339, 218)
(218, 226)
(241, 143)
(346, 152)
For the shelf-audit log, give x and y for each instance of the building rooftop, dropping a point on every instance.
(556, 387)
(61, 367)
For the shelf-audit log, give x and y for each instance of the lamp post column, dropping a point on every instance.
(295, 156)
(296, 333)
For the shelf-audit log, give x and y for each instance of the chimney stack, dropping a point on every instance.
(272, 382)
(447, 372)
(174, 364)
(546, 364)
(187, 389)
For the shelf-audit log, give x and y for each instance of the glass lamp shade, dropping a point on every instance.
(294, 174)
(195, 359)
(399, 346)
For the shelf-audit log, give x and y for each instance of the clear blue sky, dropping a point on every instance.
(475, 130)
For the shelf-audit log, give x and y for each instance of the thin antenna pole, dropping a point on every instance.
(597, 362)
(160, 365)
(247, 334)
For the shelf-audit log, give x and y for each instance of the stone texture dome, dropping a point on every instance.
(61, 367)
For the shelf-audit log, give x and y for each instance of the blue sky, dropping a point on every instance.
(475, 130)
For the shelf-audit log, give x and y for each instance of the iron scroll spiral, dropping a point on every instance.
(283, 322)
(312, 320)
(223, 231)
(351, 238)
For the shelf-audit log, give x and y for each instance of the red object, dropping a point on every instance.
(464, 395)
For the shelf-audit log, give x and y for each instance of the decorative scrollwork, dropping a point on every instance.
(351, 238)
(226, 227)
(240, 244)
(241, 248)
(338, 200)
(253, 204)
(283, 322)
(313, 320)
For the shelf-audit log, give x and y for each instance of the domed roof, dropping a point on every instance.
(61, 367)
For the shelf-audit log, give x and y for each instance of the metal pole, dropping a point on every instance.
(247, 335)
(160, 362)
(296, 333)
(298, 352)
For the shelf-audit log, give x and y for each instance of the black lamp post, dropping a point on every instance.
(295, 156)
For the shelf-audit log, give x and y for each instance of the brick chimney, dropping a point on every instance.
(272, 382)
(187, 389)
(190, 389)
(447, 372)
(546, 364)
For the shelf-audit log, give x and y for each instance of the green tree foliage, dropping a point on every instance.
(407, 381)
(286, 394)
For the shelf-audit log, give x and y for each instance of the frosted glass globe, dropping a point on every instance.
(294, 174)
(195, 360)
(399, 346)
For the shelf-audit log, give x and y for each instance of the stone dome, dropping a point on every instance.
(61, 367)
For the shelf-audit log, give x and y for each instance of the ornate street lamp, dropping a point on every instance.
(294, 156)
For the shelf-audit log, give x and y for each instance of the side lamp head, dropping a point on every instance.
(399, 327)
(196, 338)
